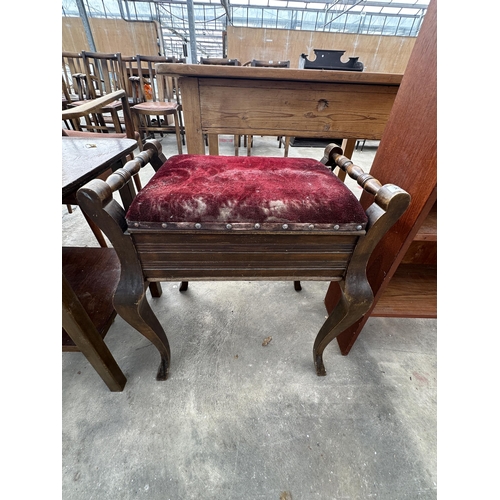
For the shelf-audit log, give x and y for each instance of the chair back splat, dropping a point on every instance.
(204, 218)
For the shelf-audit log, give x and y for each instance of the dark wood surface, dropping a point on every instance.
(89, 279)
(93, 273)
(407, 156)
(84, 159)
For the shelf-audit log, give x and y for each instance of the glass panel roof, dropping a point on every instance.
(212, 17)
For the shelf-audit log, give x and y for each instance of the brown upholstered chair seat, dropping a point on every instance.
(231, 193)
(158, 106)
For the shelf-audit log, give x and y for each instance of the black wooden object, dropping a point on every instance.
(330, 59)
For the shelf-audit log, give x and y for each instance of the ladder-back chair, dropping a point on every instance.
(73, 71)
(104, 75)
(157, 102)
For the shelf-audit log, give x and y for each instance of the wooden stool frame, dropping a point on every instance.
(144, 253)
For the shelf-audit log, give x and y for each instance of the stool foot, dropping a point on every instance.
(155, 289)
(183, 286)
(320, 367)
(296, 285)
(163, 369)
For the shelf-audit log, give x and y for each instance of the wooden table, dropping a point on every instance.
(85, 159)
(240, 100)
(90, 275)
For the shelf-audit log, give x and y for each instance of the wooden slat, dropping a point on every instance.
(428, 229)
(239, 274)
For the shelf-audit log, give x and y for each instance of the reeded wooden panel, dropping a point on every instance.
(175, 256)
(378, 53)
(110, 36)
(295, 108)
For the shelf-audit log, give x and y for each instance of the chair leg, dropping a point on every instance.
(236, 145)
(95, 229)
(137, 119)
(116, 122)
(181, 126)
(183, 286)
(155, 289)
(297, 286)
(177, 132)
(287, 146)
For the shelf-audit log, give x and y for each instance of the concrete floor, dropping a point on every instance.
(239, 420)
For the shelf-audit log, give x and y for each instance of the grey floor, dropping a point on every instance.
(239, 420)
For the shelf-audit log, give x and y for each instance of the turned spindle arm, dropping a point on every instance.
(384, 194)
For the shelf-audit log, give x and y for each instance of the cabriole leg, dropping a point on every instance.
(348, 310)
(138, 313)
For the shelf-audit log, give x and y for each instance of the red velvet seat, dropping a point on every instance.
(231, 193)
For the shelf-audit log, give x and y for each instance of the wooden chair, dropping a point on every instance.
(104, 75)
(87, 308)
(73, 71)
(157, 102)
(269, 64)
(220, 61)
(84, 124)
(217, 218)
(130, 73)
